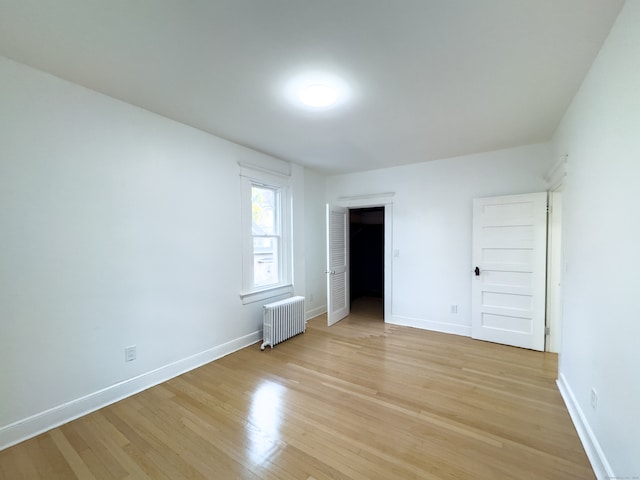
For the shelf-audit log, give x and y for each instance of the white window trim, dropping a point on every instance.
(251, 176)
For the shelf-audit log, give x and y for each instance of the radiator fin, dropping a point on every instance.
(283, 320)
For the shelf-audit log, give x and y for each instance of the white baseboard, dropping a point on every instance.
(315, 312)
(443, 327)
(35, 425)
(599, 462)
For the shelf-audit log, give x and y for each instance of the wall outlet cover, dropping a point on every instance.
(130, 353)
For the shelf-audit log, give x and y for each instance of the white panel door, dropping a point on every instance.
(337, 264)
(509, 260)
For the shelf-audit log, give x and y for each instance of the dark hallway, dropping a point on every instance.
(366, 227)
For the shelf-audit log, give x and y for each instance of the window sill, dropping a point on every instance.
(266, 293)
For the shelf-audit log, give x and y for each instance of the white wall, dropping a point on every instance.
(117, 227)
(601, 321)
(432, 217)
(315, 236)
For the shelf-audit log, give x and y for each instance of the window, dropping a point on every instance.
(265, 230)
(266, 219)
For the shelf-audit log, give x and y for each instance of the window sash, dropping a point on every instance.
(265, 219)
(267, 267)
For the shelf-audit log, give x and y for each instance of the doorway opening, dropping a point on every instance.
(366, 262)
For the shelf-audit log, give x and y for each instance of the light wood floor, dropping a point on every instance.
(359, 400)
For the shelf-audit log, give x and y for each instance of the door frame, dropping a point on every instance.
(384, 200)
(554, 272)
(555, 178)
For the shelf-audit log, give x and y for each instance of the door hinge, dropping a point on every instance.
(547, 331)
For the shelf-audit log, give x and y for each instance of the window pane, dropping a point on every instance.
(265, 261)
(263, 208)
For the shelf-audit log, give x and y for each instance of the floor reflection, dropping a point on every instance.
(265, 418)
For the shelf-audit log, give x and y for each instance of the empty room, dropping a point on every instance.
(285, 239)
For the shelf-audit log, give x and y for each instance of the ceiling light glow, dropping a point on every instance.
(318, 95)
(316, 90)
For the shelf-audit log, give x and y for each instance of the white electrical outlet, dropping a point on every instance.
(130, 353)
(594, 399)
(454, 308)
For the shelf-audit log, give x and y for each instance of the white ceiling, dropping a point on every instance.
(429, 79)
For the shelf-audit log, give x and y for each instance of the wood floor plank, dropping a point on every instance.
(72, 457)
(359, 400)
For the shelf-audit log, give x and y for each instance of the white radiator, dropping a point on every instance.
(283, 320)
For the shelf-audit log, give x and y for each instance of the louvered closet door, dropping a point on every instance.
(337, 263)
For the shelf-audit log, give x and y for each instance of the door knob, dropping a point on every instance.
(477, 270)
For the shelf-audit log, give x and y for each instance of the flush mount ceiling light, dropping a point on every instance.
(318, 95)
(316, 90)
